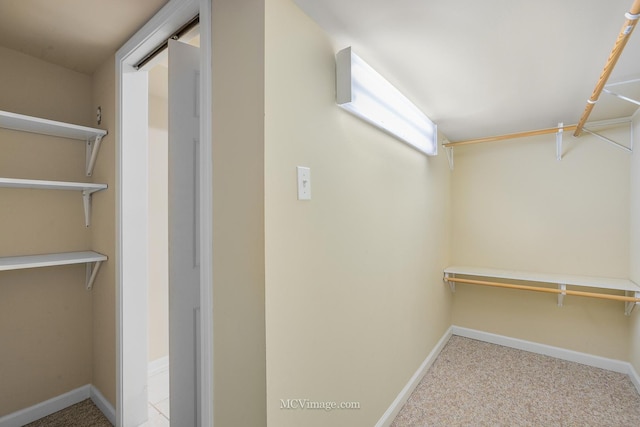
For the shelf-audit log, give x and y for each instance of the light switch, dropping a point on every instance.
(304, 183)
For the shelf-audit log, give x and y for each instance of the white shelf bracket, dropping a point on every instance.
(452, 285)
(629, 306)
(625, 98)
(610, 141)
(86, 201)
(562, 294)
(449, 151)
(559, 141)
(93, 147)
(92, 272)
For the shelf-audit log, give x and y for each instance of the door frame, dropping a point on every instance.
(132, 211)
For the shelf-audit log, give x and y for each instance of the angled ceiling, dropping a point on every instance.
(480, 68)
(76, 34)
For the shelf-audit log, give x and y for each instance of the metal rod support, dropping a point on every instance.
(605, 139)
(617, 95)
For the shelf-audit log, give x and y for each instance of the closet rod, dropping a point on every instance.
(627, 28)
(510, 135)
(548, 290)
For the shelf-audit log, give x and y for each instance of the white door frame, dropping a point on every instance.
(132, 213)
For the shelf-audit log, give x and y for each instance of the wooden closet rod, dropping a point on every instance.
(548, 290)
(623, 36)
(510, 135)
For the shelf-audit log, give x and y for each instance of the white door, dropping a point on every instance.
(184, 244)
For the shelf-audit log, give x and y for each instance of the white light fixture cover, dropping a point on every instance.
(366, 94)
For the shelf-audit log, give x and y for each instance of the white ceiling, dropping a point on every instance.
(480, 68)
(477, 68)
(76, 34)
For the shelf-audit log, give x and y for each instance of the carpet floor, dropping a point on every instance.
(83, 414)
(473, 383)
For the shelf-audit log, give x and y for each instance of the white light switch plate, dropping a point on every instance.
(304, 183)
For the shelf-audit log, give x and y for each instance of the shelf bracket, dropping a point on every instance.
(629, 306)
(449, 151)
(559, 141)
(609, 140)
(93, 146)
(452, 285)
(86, 202)
(92, 272)
(563, 292)
(625, 98)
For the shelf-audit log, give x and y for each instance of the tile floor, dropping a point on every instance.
(159, 399)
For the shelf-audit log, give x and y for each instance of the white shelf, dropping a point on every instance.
(31, 124)
(87, 189)
(92, 137)
(51, 260)
(51, 185)
(631, 289)
(565, 279)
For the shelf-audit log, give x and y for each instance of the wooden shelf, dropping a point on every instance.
(87, 189)
(92, 137)
(31, 124)
(51, 260)
(631, 289)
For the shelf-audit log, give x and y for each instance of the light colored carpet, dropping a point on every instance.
(473, 383)
(83, 414)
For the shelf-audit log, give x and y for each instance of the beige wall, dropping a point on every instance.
(103, 236)
(158, 228)
(634, 253)
(45, 314)
(514, 206)
(354, 293)
(238, 209)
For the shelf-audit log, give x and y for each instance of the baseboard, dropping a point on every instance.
(103, 404)
(393, 410)
(547, 350)
(48, 407)
(635, 378)
(158, 365)
(58, 403)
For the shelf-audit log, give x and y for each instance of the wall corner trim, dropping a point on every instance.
(393, 410)
(103, 404)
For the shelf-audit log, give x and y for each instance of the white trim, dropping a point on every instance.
(158, 365)
(48, 407)
(393, 410)
(634, 377)
(103, 404)
(131, 369)
(547, 350)
(206, 217)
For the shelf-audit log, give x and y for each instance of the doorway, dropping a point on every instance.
(133, 210)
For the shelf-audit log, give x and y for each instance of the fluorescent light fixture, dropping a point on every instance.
(366, 94)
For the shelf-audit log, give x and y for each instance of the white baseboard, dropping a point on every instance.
(547, 350)
(58, 403)
(393, 410)
(635, 378)
(48, 407)
(158, 365)
(103, 404)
